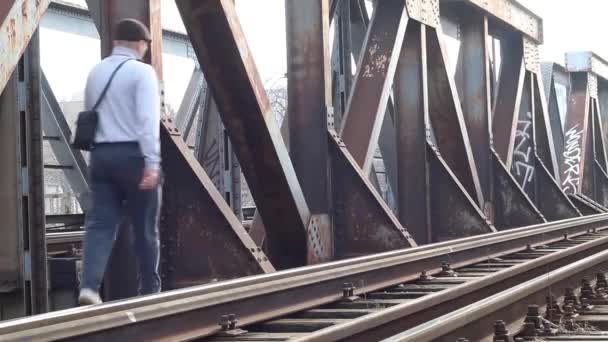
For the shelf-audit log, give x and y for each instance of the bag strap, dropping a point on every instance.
(105, 89)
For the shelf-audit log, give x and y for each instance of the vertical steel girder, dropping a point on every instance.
(219, 43)
(23, 264)
(472, 79)
(583, 164)
(57, 133)
(202, 239)
(308, 78)
(506, 205)
(522, 129)
(433, 204)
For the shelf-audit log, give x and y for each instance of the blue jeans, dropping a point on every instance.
(115, 172)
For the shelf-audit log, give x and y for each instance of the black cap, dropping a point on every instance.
(131, 30)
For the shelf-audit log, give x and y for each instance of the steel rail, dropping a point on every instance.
(194, 312)
(509, 306)
(388, 322)
(67, 237)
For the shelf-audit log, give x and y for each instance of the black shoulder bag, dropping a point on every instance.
(86, 124)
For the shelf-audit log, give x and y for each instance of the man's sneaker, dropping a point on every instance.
(88, 297)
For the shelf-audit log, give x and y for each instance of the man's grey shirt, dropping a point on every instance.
(130, 111)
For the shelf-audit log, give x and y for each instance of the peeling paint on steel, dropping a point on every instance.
(16, 30)
(531, 56)
(515, 15)
(424, 11)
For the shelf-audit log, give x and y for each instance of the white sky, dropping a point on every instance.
(568, 25)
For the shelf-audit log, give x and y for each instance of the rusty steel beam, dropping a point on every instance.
(364, 224)
(228, 66)
(367, 105)
(23, 264)
(556, 81)
(473, 78)
(512, 14)
(432, 202)
(506, 204)
(19, 20)
(352, 23)
(309, 106)
(584, 158)
(509, 92)
(573, 161)
(587, 61)
(202, 239)
(411, 100)
(544, 137)
(445, 114)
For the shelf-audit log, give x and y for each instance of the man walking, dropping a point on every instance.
(125, 160)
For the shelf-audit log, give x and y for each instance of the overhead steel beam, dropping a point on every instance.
(587, 61)
(202, 239)
(228, 66)
(513, 14)
(19, 20)
(310, 108)
(57, 133)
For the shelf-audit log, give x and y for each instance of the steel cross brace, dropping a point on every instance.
(507, 205)
(191, 103)
(219, 43)
(352, 21)
(57, 132)
(521, 130)
(202, 239)
(383, 57)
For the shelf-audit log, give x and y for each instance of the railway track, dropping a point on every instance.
(362, 299)
(566, 304)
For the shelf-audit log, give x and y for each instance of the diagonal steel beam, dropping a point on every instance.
(556, 82)
(447, 119)
(184, 119)
(57, 132)
(19, 20)
(366, 108)
(224, 56)
(507, 102)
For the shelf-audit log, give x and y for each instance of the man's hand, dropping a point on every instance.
(149, 180)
